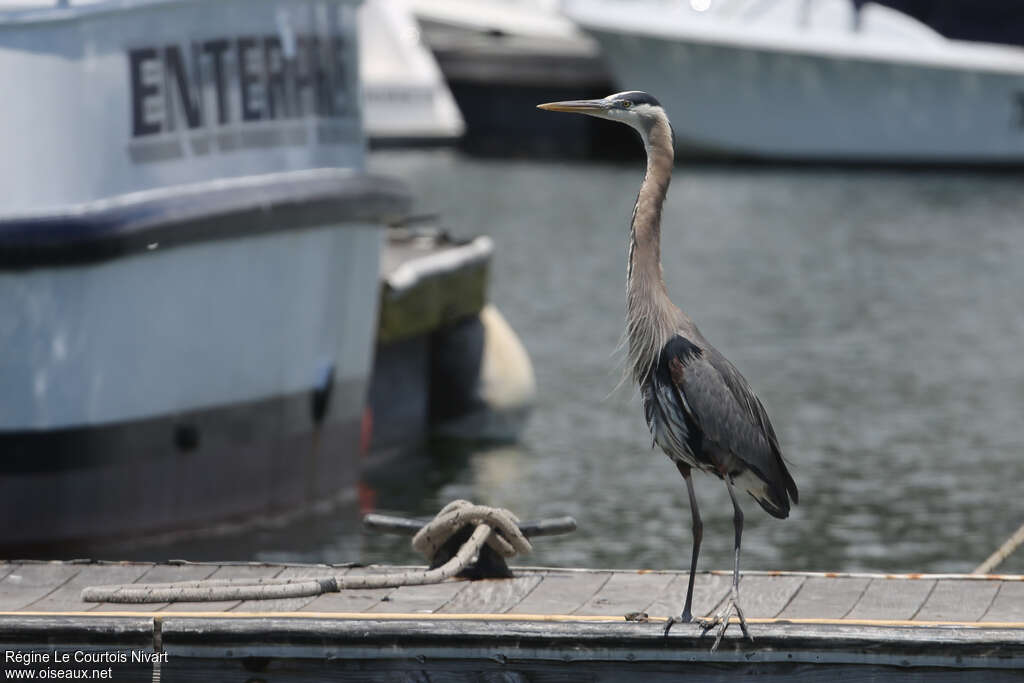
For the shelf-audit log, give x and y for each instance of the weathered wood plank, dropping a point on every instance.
(8, 568)
(69, 596)
(234, 571)
(892, 599)
(562, 593)
(625, 592)
(825, 598)
(416, 648)
(352, 599)
(708, 590)
(27, 631)
(766, 596)
(55, 587)
(1008, 604)
(491, 596)
(161, 573)
(958, 600)
(412, 599)
(32, 581)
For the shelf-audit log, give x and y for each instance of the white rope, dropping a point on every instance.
(497, 527)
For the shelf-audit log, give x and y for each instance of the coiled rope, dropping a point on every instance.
(496, 527)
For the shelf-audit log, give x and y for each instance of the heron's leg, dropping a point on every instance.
(733, 606)
(737, 521)
(698, 534)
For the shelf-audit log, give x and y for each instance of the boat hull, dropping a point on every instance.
(215, 369)
(733, 99)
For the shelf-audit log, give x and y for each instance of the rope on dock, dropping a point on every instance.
(1001, 553)
(495, 527)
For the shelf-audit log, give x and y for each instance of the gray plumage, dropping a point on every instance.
(703, 414)
(700, 409)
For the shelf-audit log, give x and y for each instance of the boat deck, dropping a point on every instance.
(430, 281)
(531, 627)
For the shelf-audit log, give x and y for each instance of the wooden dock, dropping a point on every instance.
(543, 625)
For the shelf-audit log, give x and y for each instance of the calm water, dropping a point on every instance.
(878, 314)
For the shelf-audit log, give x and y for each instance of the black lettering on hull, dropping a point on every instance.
(202, 87)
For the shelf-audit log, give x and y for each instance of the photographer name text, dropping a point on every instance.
(29, 658)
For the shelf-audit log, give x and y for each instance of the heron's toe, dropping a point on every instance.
(684, 618)
(722, 619)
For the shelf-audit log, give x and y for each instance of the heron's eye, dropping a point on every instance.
(626, 104)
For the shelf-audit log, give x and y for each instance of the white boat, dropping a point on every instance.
(502, 57)
(510, 18)
(189, 252)
(508, 43)
(406, 97)
(803, 80)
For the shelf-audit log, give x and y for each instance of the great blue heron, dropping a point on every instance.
(699, 408)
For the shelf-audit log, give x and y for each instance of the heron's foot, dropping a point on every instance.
(721, 621)
(684, 618)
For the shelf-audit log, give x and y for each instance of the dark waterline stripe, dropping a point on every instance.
(47, 451)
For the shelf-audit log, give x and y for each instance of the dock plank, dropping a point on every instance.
(765, 596)
(858, 621)
(492, 596)
(68, 598)
(562, 593)
(32, 581)
(232, 571)
(7, 568)
(825, 598)
(427, 599)
(708, 591)
(352, 599)
(161, 573)
(1008, 604)
(892, 599)
(625, 592)
(55, 587)
(958, 600)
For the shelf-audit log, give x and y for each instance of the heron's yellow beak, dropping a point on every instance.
(577, 106)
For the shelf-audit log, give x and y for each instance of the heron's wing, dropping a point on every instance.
(736, 432)
(725, 407)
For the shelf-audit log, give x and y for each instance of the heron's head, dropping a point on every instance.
(633, 107)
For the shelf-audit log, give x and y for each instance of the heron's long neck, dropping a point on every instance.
(650, 315)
